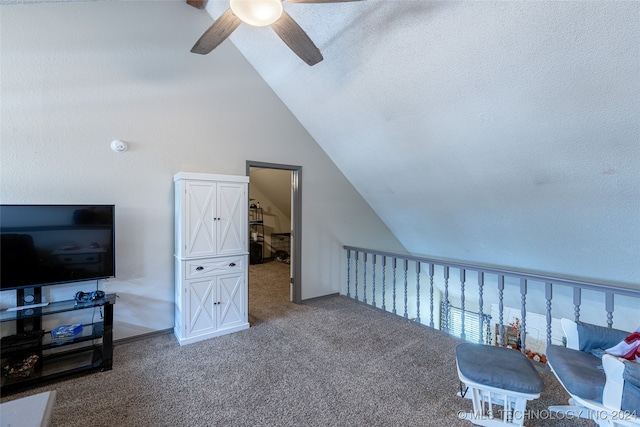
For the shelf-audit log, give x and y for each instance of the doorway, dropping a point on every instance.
(275, 191)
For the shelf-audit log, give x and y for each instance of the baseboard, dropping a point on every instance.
(320, 297)
(142, 336)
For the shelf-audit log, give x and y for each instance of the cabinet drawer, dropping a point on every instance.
(213, 266)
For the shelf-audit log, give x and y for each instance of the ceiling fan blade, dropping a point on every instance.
(320, 1)
(298, 41)
(217, 33)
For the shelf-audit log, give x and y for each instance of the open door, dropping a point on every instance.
(289, 188)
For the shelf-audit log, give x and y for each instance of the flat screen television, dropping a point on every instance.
(55, 244)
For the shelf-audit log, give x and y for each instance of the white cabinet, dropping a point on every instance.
(213, 301)
(211, 255)
(211, 217)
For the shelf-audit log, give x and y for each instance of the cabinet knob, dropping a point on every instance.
(233, 264)
(199, 268)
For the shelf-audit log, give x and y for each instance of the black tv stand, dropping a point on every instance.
(27, 307)
(90, 349)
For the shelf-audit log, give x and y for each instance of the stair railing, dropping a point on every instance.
(519, 304)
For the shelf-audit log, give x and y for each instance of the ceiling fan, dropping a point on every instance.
(261, 13)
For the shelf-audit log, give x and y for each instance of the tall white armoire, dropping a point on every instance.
(211, 255)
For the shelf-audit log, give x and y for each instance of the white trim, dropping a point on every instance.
(570, 329)
(612, 393)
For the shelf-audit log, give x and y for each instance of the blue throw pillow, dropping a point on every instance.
(593, 337)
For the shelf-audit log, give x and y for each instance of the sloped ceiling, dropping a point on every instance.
(505, 133)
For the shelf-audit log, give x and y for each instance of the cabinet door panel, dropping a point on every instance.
(200, 307)
(232, 211)
(232, 300)
(200, 228)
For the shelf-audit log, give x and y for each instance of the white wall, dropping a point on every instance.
(77, 75)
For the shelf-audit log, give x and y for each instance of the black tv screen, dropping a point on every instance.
(54, 244)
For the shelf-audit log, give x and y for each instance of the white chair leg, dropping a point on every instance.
(496, 408)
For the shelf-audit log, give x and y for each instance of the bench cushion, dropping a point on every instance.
(498, 367)
(579, 372)
(593, 337)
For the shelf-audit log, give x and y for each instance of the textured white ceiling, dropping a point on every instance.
(501, 132)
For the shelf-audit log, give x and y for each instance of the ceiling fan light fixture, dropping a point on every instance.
(258, 13)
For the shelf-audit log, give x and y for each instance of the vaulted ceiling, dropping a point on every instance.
(500, 132)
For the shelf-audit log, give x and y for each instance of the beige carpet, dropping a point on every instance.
(328, 362)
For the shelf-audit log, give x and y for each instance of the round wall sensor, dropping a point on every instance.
(118, 146)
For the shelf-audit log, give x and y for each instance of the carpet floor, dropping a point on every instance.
(326, 362)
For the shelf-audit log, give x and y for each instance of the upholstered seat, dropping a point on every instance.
(581, 373)
(499, 381)
(498, 367)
